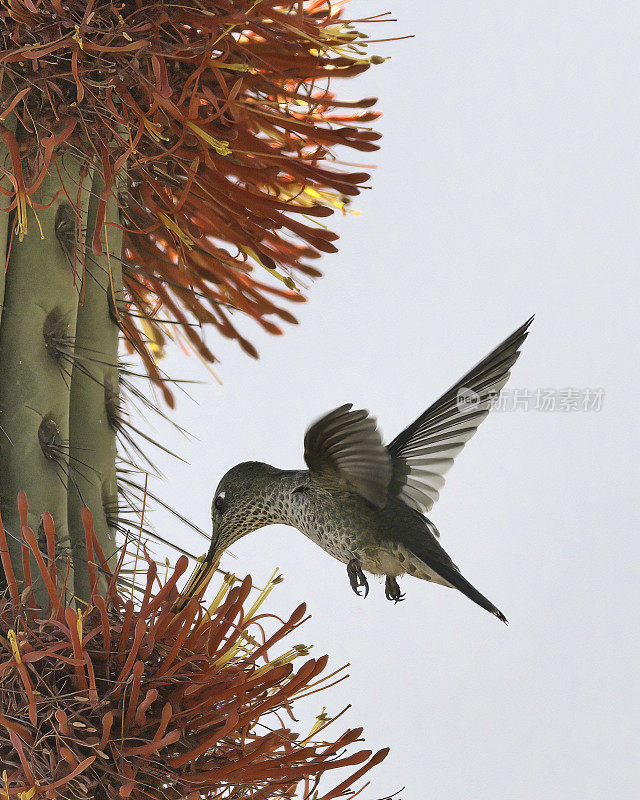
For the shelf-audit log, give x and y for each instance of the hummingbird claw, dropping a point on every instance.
(357, 578)
(392, 590)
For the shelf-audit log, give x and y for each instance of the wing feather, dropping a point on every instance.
(344, 447)
(425, 450)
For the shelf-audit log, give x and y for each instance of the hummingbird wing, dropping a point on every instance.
(345, 447)
(425, 450)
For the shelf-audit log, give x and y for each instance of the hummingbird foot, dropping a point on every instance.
(357, 577)
(392, 590)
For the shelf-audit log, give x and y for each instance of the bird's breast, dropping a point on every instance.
(347, 528)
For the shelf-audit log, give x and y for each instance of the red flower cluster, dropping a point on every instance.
(140, 701)
(215, 124)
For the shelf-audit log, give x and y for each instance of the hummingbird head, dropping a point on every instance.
(242, 503)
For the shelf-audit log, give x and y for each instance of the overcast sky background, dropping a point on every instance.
(507, 184)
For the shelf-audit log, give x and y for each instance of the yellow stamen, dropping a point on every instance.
(77, 37)
(227, 582)
(154, 130)
(175, 228)
(124, 33)
(287, 658)
(36, 216)
(262, 596)
(224, 659)
(233, 67)
(320, 721)
(21, 215)
(13, 641)
(286, 279)
(219, 145)
(153, 340)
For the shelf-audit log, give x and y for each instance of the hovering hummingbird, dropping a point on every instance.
(362, 502)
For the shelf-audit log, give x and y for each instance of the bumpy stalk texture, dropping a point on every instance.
(39, 315)
(95, 390)
(58, 366)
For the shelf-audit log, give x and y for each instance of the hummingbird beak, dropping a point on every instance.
(215, 551)
(199, 580)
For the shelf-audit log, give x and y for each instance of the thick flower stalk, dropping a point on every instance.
(136, 700)
(58, 363)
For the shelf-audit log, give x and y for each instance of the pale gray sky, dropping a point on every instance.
(507, 184)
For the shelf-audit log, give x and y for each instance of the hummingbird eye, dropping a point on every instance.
(219, 502)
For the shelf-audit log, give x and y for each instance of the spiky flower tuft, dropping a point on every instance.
(136, 700)
(216, 125)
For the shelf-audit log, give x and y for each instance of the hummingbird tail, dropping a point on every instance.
(430, 561)
(453, 577)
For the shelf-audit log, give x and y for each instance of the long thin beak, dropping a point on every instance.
(199, 580)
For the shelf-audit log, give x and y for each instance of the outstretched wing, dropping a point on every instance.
(425, 450)
(344, 447)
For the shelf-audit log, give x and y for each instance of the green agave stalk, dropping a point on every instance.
(94, 402)
(59, 368)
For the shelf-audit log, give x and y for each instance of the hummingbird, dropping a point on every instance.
(363, 503)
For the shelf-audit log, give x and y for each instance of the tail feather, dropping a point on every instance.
(452, 576)
(427, 556)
